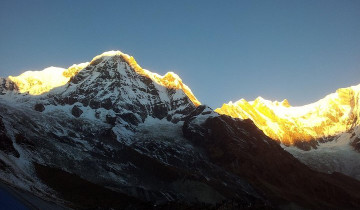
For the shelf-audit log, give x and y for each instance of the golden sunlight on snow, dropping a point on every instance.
(169, 80)
(329, 116)
(74, 69)
(39, 82)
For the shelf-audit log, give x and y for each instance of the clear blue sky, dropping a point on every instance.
(224, 50)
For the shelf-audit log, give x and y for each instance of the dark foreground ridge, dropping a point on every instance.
(240, 147)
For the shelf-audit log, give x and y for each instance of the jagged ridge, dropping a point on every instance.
(336, 113)
(39, 82)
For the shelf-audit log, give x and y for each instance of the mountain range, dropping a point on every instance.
(323, 135)
(108, 134)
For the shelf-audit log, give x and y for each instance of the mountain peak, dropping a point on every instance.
(169, 80)
(108, 54)
(334, 114)
(39, 82)
(285, 103)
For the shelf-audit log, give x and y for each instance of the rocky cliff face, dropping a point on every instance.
(111, 85)
(118, 136)
(7, 86)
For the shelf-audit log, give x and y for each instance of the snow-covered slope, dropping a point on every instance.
(111, 83)
(324, 134)
(112, 125)
(332, 115)
(112, 87)
(336, 155)
(38, 82)
(116, 136)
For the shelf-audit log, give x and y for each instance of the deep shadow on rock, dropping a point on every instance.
(6, 144)
(76, 111)
(39, 107)
(241, 148)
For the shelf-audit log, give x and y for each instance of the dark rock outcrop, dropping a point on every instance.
(39, 107)
(130, 117)
(356, 144)
(76, 111)
(22, 140)
(7, 85)
(110, 119)
(6, 144)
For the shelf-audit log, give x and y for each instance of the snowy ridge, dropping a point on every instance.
(324, 135)
(333, 156)
(332, 115)
(169, 80)
(39, 82)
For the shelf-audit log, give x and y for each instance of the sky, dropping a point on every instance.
(223, 50)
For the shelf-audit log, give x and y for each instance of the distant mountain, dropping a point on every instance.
(108, 134)
(326, 134)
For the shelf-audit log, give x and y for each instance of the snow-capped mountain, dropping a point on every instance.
(114, 125)
(38, 82)
(325, 133)
(111, 135)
